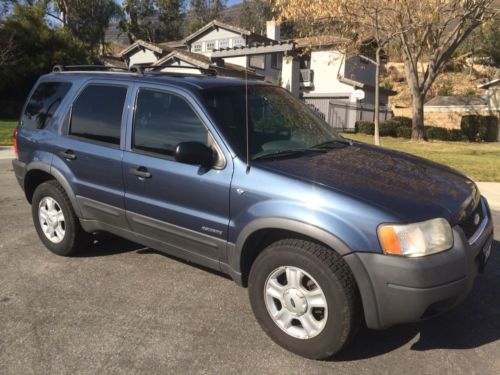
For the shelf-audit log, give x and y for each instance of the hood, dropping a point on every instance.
(410, 188)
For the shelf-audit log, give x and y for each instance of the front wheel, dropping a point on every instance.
(304, 297)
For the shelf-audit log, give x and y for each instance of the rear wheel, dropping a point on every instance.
(55, 220)
(305, 297)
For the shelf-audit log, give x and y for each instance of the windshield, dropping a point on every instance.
(278, 122)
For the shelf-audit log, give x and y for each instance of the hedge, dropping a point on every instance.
(403, 132)
(365, 127)
(434, 132)
(480, 128)
(402, 121)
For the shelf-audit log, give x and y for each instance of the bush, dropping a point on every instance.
(387, 128)
(434, 132)
(488, 128)
(446, 89)
(403, 132)
(402, 121)
(365, 127)
(470, 126)
(456, 135)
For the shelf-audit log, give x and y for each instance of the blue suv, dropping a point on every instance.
(242, 177)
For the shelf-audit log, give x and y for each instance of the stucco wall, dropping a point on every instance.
(326, 66)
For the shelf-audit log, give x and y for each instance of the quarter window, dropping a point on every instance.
(97, 113)
(43, 103)
(164, 120)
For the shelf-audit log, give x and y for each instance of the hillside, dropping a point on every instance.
(455, 81)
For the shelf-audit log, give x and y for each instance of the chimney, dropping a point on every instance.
(273, 30)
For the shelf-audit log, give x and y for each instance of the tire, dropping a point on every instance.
(66, 237)
(312, 266)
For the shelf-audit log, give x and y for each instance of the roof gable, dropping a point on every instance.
(194, 59)
(140, 44)
(213, 26)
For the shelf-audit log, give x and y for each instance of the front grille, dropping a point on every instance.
(468, 225)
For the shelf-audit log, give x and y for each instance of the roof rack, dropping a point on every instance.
(139, 70)
(153, 70)
(86, 68)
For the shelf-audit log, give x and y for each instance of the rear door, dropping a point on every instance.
(183, 207)
(89, 151)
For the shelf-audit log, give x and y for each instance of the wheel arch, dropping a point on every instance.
(38, 173)
(260, 233)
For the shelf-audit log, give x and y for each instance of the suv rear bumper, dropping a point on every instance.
(20, 171)
(400, 290)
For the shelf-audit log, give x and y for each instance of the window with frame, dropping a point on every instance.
(43, 104)
(162, 121)
(239, 42)
(97, 113)
(276, 60)
(258, 61)
(197, 47)
(224, 43)
(210, 46)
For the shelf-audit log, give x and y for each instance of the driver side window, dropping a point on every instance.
(162, 121)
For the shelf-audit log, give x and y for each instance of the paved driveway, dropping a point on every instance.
(121, 308)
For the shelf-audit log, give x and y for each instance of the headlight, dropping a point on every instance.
(415, 240)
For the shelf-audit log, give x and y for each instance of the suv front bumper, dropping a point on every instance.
(397, 289)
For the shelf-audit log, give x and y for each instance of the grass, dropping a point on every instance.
(6, 129)
(479, 161)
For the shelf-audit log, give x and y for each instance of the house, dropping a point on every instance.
(492, 94)
(315, 69)
(447, 111)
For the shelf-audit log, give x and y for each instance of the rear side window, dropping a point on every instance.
(163, 120)
(43, 104)
(97, 113)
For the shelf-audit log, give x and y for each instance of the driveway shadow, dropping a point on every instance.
(105, 244)
(475, 322)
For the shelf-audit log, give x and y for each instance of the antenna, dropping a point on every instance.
(246, 120)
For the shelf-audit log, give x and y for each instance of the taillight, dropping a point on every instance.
(14, 141)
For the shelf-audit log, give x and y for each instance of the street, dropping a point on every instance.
(121, 308)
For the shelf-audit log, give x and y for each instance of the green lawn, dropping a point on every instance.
(6, 129)
(480, 161)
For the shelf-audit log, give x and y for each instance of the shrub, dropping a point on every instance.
(446, 89)
(387, 128)
(387, 84)
(365, 127)
(403, 132)
(434, 132)
(456, 135)
(470, 126)
(470, 91)
(488, 128)
(402, 121)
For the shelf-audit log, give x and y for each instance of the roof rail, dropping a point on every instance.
(153, 70)
(86, 68)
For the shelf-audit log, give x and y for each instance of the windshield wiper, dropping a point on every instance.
(334, 143)
(284, 153)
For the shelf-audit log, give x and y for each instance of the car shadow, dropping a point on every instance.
(470, 325)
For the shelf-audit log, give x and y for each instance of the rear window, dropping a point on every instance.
(43, 104)
(97, 113)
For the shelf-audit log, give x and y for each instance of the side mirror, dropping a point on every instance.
(194, 153)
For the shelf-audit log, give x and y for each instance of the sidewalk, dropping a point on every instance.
(7, 152)
(491, 190)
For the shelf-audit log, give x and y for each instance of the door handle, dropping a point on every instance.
(68, 155)
(140, 172)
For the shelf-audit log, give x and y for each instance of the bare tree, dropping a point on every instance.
(427, 31)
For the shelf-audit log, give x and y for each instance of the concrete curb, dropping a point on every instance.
(7, 152)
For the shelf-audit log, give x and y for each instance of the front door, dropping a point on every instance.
(183, 207)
